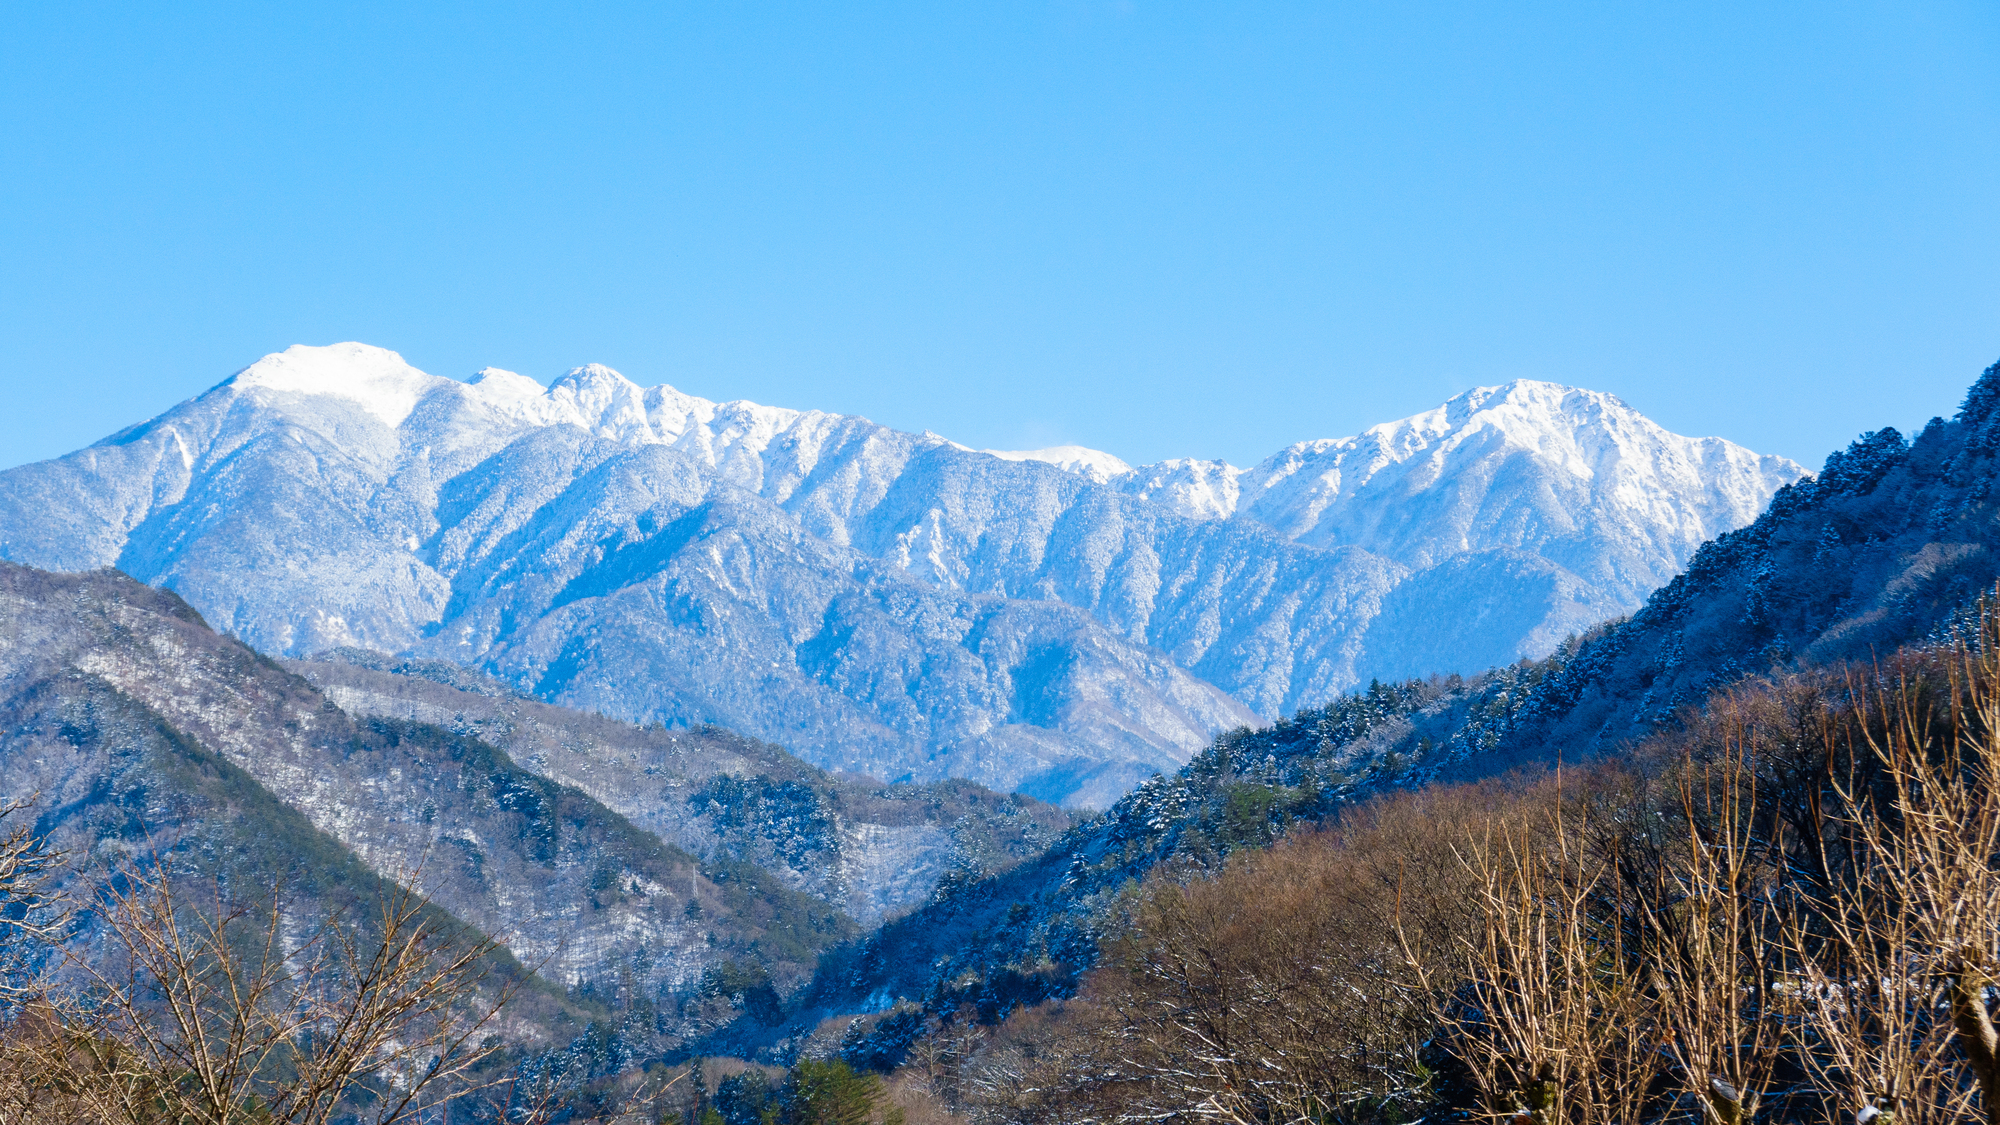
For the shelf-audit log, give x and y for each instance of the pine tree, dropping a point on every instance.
(832, 1093)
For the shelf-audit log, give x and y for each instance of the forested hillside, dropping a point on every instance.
(567, 884)
(849, 840)
(1891, 540)
(1026, 934)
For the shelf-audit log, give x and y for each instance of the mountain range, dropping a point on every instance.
(677, 888)
(892, 604)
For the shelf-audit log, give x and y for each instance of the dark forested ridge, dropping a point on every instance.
(1026, 934)
(1887, 544)
(566, 881)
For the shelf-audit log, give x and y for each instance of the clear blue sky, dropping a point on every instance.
(1163, 230)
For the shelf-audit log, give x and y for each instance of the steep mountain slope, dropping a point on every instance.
(564, 883)
(1894, 540)
(1028, 933)
(629, 582)
(109, 780)
(874, 600)
(847, 840)
(1525, 513)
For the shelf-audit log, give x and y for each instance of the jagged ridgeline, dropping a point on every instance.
(890, 603)
(692, 890)
(1893, 542)
(132, 725)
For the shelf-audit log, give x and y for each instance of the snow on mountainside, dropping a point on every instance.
(1202, 490)
(1575, 476)
(876, 600)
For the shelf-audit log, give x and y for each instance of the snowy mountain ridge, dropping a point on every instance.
(1637, 478)
(877, 600)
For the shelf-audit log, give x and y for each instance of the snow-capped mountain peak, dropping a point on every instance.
(376, 379)
(592, 381)
(1201, 490)
(1525, 412)
(1525, 465)
(604, 402)
(508, 384)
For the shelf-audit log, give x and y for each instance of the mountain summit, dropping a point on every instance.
(879, 601)
(1572, 475)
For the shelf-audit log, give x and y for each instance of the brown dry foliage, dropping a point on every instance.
(1282, 990)
(1788, 909)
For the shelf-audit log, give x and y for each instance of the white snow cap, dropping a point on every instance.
(375, 378)
(1081, 460)
(508, 384)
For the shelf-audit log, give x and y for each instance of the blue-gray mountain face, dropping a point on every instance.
(879, 601)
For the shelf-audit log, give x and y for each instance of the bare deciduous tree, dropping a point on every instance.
(1906, 958)
(30, 914)
(1554, 1025)
(1286, 989)
(1711, 923)
(239, 1011)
